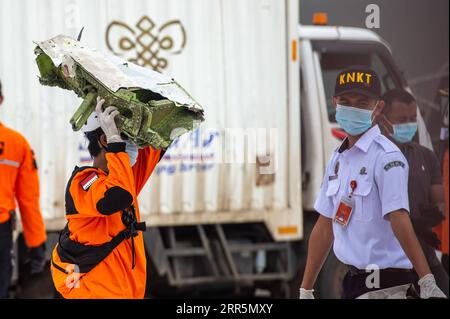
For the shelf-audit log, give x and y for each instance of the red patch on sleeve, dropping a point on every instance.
(89, 180)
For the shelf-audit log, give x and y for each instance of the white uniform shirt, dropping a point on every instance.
(381, 173)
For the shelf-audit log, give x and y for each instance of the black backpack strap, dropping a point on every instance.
(87, 257)
(84, 256)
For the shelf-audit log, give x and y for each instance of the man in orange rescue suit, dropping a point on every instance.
(19, 181)
(100, 253)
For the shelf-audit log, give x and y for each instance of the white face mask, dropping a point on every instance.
(132, 151)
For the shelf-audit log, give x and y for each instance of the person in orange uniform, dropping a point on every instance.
(100, 253)
(19, 182)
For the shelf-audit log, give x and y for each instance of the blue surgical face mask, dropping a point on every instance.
(404, 133)
(132, 151)
(352, 120)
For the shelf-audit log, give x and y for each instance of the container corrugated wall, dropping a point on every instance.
(233, 63)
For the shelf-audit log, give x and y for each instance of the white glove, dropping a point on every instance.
(429, 289)
(306, 294)
(107, 123)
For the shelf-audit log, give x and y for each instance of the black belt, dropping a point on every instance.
(355, 281)
(358, 272)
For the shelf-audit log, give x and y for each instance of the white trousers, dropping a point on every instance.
(397, 292)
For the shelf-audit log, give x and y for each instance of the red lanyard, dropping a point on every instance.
(353, 186)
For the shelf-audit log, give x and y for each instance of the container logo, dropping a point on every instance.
(146, 44)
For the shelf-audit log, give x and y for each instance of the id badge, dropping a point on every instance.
(344, 211)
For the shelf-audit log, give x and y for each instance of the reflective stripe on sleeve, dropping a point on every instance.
(9, 163)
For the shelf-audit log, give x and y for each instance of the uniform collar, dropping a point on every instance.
(364, 141)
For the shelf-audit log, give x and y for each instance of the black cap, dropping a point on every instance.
(358, 80)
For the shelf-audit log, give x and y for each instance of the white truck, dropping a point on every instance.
(230, 205)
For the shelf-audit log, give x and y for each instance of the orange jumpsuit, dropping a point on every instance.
(19, 181)
(95, 203)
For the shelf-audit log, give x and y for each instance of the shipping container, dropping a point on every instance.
(232, 56)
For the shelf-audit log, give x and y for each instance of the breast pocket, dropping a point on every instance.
(332, 192)
(361, 195)
(333, 187)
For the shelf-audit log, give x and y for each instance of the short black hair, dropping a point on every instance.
(1, 94)
(94, 137)
(399, 95)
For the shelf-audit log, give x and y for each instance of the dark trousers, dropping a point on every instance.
(6, 245)
(441, 277)
(445, 262)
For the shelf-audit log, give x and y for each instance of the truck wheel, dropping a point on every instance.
(329, 285)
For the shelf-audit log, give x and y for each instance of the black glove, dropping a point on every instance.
(37, 259)
(430, 216)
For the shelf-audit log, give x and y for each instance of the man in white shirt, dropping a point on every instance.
(363, 204)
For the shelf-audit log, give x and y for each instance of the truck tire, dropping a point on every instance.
(329, 285)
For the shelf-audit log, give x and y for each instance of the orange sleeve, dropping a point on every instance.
(146, 162)
(27, 195)
(108, 194)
